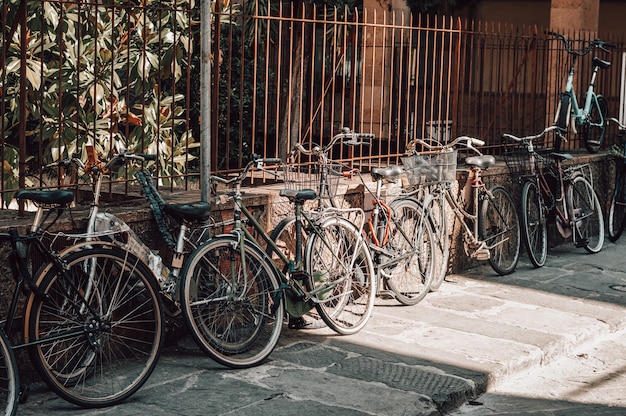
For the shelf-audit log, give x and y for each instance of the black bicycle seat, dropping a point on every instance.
(199, 211)
(390, 172)
(56, 197)
(562, 156)
(600, 63)
(299, 194)
(483, 162)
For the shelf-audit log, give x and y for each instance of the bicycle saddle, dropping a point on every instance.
(301, 194)
(390, 172)
(602, 64)
(562, 156)
(483, 162)
(197, 211)
(58, 197)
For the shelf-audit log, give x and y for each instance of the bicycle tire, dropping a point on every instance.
(434, 208)
(343, 275)
(117, 327)
(594, 128)
(9, 377)
(586, 214)
(235, 321)
(562, 119)
(617, 209)
(534, 224)
(411, 247)
(499, 229)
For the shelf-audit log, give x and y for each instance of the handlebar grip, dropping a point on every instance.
(146, 156)
(477, 142)
(271, 160)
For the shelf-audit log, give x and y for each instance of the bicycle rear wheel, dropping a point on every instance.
(409, 271)
(232, 307)
(586, 215)
(617, 210)
(594, 128)
(534, 224)
(98, 331)
(9, 377)
(434, 209)
(344, 282)
(499, 229)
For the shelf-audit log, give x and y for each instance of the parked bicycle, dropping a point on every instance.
(548, 187)
(591, 117)
(617, 209)
(92, 317)
(488, 217)
(401, 252)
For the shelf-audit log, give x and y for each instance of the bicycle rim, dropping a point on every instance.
(434, 208)
(499, 229)
(411, 247)
(9, 377)
(343, 275)
(586, 215)
(617, 210)
(109, 303)
(534, 224)
(231, 306)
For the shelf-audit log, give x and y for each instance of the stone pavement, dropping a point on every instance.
(540, 341)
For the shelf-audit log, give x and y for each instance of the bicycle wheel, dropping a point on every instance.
(534, 224)
(586, 214)
(233, 308)
(98, 331)
(409, 268)
(562, 119)
(594, 128)
(343, 275)
(434, 208)
(617, 210)
(499, 229)
(9, 377)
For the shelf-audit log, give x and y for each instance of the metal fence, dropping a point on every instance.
(127, 75)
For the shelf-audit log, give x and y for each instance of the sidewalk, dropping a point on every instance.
(473, 335)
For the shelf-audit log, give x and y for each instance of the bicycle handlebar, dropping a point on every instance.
(469, 143)
(597, 43)
(258, 161)
(352, 136)
(532, 137)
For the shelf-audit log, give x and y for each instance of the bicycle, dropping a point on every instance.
(592, 116)
(92, 320)
(401, 264)
(488, 217)
(331, 272)
(617, 209)
(547, 187)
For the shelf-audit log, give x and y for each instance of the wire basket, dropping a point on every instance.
(300, 177)
(519, 162)
(430, 168)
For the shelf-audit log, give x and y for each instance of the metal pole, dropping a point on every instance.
(205, 99)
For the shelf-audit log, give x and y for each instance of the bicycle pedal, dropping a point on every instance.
(482, 254)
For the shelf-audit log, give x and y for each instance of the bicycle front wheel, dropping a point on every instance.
(98, 329)
(499, 229)
(534, 224)
(231, 301)
(9, 377)
(586, 215)
(343, 275)
(617, 210)
(409, 270)
(594, 128)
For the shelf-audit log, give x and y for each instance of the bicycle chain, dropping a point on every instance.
(156, 205)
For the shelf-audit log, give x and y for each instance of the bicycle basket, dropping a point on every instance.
(519, 163)
(299, 177)
(429, 168)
